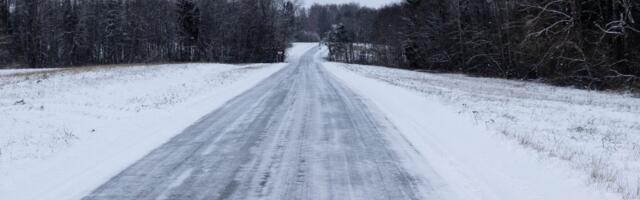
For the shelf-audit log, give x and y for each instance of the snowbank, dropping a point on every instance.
(473, 130)
(65, 132)
(11, 72)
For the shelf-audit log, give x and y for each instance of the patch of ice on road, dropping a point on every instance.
(177, 182)
(472, 132)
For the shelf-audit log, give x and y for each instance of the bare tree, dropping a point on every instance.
(585, 43)
(51, 33)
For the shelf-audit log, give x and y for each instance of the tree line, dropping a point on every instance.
(53, 33)
(586, 43)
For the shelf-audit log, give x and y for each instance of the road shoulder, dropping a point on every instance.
(475, 162)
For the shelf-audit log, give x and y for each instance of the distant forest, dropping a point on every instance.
(586, 43)
(54, 33)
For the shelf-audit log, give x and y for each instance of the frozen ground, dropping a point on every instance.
(12, 72)
(584, 137)
(313, 130)
(66, 131)
(300, 134)
(368, 3)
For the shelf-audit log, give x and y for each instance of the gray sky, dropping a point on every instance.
(369, 3)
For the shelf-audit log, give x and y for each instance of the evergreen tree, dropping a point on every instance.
(69, 29)
(587, 43)
(189, 20)
(339, 42)
(5, 37)
(53, 33)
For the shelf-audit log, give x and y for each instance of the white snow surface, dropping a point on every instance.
(12, 72)
(65, 132)
(297, 50)
(367, 3)
(499, 139)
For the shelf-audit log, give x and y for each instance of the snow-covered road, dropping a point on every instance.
(308, 130)
(300, 134)
(317, 131)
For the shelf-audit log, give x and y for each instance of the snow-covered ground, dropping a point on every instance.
(577, 144)
(367, 3)
(12, 72)
(297, 50)
(64, 132)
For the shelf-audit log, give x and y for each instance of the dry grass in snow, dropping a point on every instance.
(597, 133)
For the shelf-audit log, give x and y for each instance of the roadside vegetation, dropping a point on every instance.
(595, 133)
(587, 44)
(64, 33)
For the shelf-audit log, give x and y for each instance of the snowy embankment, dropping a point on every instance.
(64, 132)
(577, 144)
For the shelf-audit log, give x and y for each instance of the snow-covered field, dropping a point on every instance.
(571, 137)
(64, 132)
(11, 72)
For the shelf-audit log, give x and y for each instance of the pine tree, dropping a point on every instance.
(68, 43)
(5, 37)
(339, 42)
(113, 31)
(189, 20)
(54, 33)
(29, 32)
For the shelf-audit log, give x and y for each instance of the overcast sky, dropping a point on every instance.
(369, 3)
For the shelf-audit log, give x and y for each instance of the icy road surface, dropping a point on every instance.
(300, 134)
